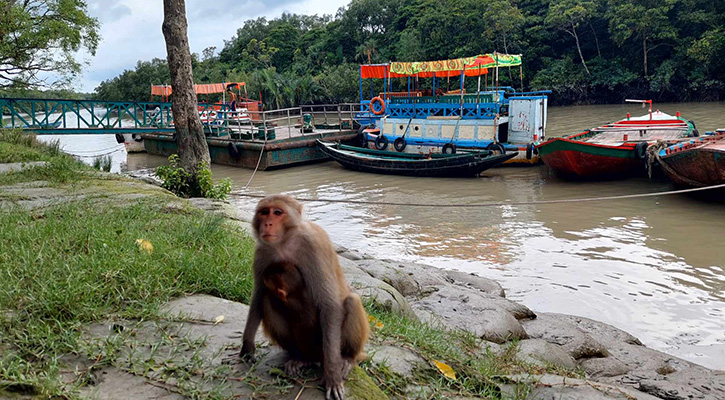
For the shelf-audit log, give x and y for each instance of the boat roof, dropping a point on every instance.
(206, 88)
(471, 66)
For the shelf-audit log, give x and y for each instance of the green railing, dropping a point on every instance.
(45, 116)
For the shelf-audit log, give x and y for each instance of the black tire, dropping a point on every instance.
(119, 138)
(695, 132)
(400, 144)
(234, 151)
(493, 147)
(136, 137)
(529, 151)
(381, 142)
(449, 148)
(640, 150)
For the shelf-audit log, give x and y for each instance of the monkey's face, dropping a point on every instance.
(271, 225)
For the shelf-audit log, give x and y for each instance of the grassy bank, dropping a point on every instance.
(115, 255)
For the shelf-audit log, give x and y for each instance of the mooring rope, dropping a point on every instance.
(260, 156)
(96, 155)
(494, 204)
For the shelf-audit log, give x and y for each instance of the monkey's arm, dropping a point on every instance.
(253, 319)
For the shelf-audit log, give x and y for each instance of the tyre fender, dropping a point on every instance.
(640, 150)
(381, 142)
(449, 148)
(400, 144)
(496, 147)
(234, 151)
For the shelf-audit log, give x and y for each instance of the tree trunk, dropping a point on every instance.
(189, 131)
(579, 48)
(644, 48)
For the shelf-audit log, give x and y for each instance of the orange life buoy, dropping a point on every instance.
(377, 99)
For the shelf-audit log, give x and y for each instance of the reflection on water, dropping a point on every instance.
(651, 266)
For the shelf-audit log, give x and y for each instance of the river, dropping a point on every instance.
(654, 266)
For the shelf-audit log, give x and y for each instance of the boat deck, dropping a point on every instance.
(612, 136)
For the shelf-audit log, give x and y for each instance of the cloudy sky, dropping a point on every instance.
(131, 29)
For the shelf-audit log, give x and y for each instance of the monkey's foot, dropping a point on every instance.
(294, 367)
(334, 391)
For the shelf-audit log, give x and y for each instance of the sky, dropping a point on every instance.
(131, 29)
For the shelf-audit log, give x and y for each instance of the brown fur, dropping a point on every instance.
(301, 296)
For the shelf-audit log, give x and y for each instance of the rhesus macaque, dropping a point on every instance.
(301, 297)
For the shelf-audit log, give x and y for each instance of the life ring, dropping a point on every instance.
(119, 138)
(234, 151)
(136, 137)
(400, 144)
(640, 150)
(377, 100)
(529, 151)
(496, 147)
(381, 142)
(449, 148)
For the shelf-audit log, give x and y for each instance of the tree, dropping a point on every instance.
(41, 36)
(193, 150)
(647, 20)
(567, 15)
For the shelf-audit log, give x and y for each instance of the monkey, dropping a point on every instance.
(300, 296)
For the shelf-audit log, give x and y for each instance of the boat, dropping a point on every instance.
(696, 163)
(430, 114)
(399, 163)
(617, 149)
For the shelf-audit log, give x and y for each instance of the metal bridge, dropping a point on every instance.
(59, 117)
(76, 117)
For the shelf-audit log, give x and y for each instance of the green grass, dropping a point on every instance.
(476, 367)
(79, 262)
(17, 146)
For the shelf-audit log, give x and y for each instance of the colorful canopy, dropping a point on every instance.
(473, 66)
(165, 90)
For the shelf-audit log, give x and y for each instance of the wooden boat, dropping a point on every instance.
(435, 164)
(613, 150)
(698, 162)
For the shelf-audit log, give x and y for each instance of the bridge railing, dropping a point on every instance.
(83, 116)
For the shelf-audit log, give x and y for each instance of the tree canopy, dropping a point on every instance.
(584, 50)
(43, 36)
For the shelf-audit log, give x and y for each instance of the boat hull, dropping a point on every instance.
(460, 166)
(696, 164)
(573, 158)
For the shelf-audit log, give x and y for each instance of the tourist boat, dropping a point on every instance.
(213, 116)
(416, 120)
(616, 149)
(697, 163)
(400, 163)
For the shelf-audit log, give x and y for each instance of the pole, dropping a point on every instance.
(521, 75)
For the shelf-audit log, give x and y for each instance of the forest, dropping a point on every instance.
(584, 51)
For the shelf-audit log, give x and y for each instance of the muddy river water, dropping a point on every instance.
(653, 266)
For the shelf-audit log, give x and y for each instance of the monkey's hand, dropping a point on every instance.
(247, 353)
(334, 388)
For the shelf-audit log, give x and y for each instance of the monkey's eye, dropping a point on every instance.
(264, 211)
(278, 212)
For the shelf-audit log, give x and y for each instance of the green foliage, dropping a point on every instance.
(585, 50)
(185, 184)
(42, 35)
(102, 163)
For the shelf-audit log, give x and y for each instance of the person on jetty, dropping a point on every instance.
(232, 99)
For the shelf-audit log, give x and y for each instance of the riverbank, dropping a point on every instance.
(101, 317)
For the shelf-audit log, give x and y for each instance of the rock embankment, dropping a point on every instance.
(615, 363)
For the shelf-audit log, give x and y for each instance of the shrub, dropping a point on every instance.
(177, 180)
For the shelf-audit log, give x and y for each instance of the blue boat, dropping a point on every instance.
(418, 120)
